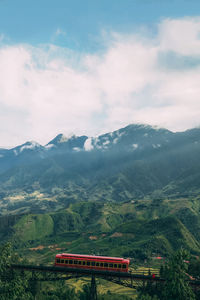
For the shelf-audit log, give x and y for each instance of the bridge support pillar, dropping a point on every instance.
(93, 290)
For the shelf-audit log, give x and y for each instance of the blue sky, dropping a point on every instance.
(88, 67)
(36, 22)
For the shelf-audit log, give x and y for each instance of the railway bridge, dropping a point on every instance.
(131, 280)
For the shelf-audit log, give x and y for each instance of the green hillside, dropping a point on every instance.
(137, 229)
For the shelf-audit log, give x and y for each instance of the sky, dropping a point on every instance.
(94, 66)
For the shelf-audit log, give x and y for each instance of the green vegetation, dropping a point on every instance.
(19, 285)
(141, 230)
(176, 286)
(118, 200)
(13, 286)
(163, 165)
(32, 227)
(175, 273)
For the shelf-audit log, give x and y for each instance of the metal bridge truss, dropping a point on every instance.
(131, 280)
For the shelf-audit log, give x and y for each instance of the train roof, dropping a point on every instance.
(92, 257)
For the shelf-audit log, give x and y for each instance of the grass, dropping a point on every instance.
(122, 229)
(103, 286)
(139, 230)
(32, 227)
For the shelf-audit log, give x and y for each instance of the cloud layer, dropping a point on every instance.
(151, 79)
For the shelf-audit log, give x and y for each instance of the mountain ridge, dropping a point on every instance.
(133, 162)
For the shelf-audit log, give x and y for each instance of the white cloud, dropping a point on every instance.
(181, 35)
(60, 32)
(47, 90)
(2, 37)
(88, 144)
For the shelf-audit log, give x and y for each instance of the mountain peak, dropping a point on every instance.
(60, 138)
(144, 126)
(30, 145)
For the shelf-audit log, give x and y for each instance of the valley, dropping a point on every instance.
(132, 193)
(139, 230)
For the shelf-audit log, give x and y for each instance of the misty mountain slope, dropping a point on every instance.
(129, 163)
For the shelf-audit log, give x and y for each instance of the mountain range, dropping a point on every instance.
(133, 192)
(135, 162)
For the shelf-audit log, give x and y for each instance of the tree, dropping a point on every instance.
(13, 284)
(59, 291)
(150, 291)
(86, 293)
(175, 274)
(147, 297)
(194, 267)
(176, 286)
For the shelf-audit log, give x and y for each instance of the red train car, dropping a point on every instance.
(80, 261)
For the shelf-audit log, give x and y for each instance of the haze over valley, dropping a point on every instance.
(128, 164)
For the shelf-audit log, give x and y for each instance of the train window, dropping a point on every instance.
(70, 262)
(110, 265)
(83, 263)
(97, 264)
(75, 262)
(124, 266)
(66, 261)
(88, 263)
(58, 260)
(115, 265)
(93, 263)
(79, 262)
(105, 265)
(119, 266)
(101, 264)
(62, 261)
